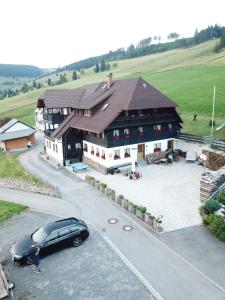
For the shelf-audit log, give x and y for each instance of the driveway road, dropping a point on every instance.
(152, 261)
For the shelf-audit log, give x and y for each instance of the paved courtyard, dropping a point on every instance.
(169, 190)
(91, 271)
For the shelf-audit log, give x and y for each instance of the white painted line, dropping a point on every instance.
(144, 281)
(176, 254)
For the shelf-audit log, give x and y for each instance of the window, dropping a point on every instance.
(69, 147)
(51, 126)
(85, 147)
(64, 231)
(47, 126)
(74, 228)
(117, 154)
(157, 147)
(92, 150)
(97, 152)
(78, 146)
(127, 152)
(87, 112)
(56, 148)
(103, 154)
(157, 128)
(64, 111)
(53, 147)
(170, 127)
(50, 144)
(50, 111)
(116, 134)
(126, 133)
(141, 131)
(52, 236)
(56, 126)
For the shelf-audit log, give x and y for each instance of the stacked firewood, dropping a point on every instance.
(210, 182)
(215, 159)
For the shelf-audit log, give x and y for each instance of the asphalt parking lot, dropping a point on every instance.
(91, 271)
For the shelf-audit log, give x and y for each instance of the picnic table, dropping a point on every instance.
(79, 166)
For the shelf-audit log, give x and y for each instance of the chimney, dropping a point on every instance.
(109, 80)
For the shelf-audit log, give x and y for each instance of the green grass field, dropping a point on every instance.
(8, 209)
(187, 76)
(11, 168)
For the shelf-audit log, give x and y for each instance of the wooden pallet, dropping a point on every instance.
(4, 286)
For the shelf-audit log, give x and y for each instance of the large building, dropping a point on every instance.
(108, 124)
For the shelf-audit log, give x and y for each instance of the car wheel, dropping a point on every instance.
(28, 261)
(77, 242)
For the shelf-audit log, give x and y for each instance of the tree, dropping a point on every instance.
(34, 84)
(173, 36)
(39, 85)
(115, 65)
(107, 66)
(49, 81)
(97, 69)
(102, 65)
(74, 76)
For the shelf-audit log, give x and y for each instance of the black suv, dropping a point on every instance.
(54, 236)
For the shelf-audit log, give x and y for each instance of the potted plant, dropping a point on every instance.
(113, 195)
(126, 204)
(103, 187)
(131, 208)
(140, 212)
(119, 199)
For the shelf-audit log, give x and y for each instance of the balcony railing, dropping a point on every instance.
(54, 118)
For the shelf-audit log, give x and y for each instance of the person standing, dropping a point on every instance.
(34, 255)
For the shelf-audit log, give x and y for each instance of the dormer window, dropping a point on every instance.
(116, 134)
(141, 131)
(126, 133)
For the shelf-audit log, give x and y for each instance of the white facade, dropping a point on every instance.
(109, 153)
(54, 149)
(39, 119)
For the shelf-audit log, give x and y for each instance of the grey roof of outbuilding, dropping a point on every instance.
(8, 125)
(16, 134)
(126, 94)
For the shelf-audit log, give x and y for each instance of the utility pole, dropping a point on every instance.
(213, 110)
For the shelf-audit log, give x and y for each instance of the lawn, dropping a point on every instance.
(8, 209)
(187, 76)
(11, 168)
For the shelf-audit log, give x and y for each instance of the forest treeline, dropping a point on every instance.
(9, 70)
(150, 45)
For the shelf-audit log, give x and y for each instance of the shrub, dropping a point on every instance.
(104, 185)
(142, 209)
(210, 123)
(212, 205)
(209, 219)
(221, 197)
(121, 196)
(217, 226)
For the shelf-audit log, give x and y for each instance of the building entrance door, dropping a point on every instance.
(170, 144)
(141, 151)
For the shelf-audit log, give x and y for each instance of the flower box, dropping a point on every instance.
(139, 214)
(131, 209)
(103, 157)
(97, 154)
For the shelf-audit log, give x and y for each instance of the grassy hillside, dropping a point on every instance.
(185, 75)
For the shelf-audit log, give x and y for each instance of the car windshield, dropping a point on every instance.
(39, 235)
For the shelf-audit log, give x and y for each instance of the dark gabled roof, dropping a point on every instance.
(127, 94)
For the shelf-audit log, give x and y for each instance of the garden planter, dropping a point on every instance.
(93, 182)
(126, 204)
(113, 197)
(102, 189)
(139, 214)
(108, 191)
(123, 201)
(119, 200)
(146, 217)
(150, 220)
(131, 209)
(97, 183)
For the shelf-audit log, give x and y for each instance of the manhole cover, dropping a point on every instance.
(112, 221)
(127, 227)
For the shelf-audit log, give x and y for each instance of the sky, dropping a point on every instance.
(54, 33)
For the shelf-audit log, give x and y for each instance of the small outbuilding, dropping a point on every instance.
(16, 135)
